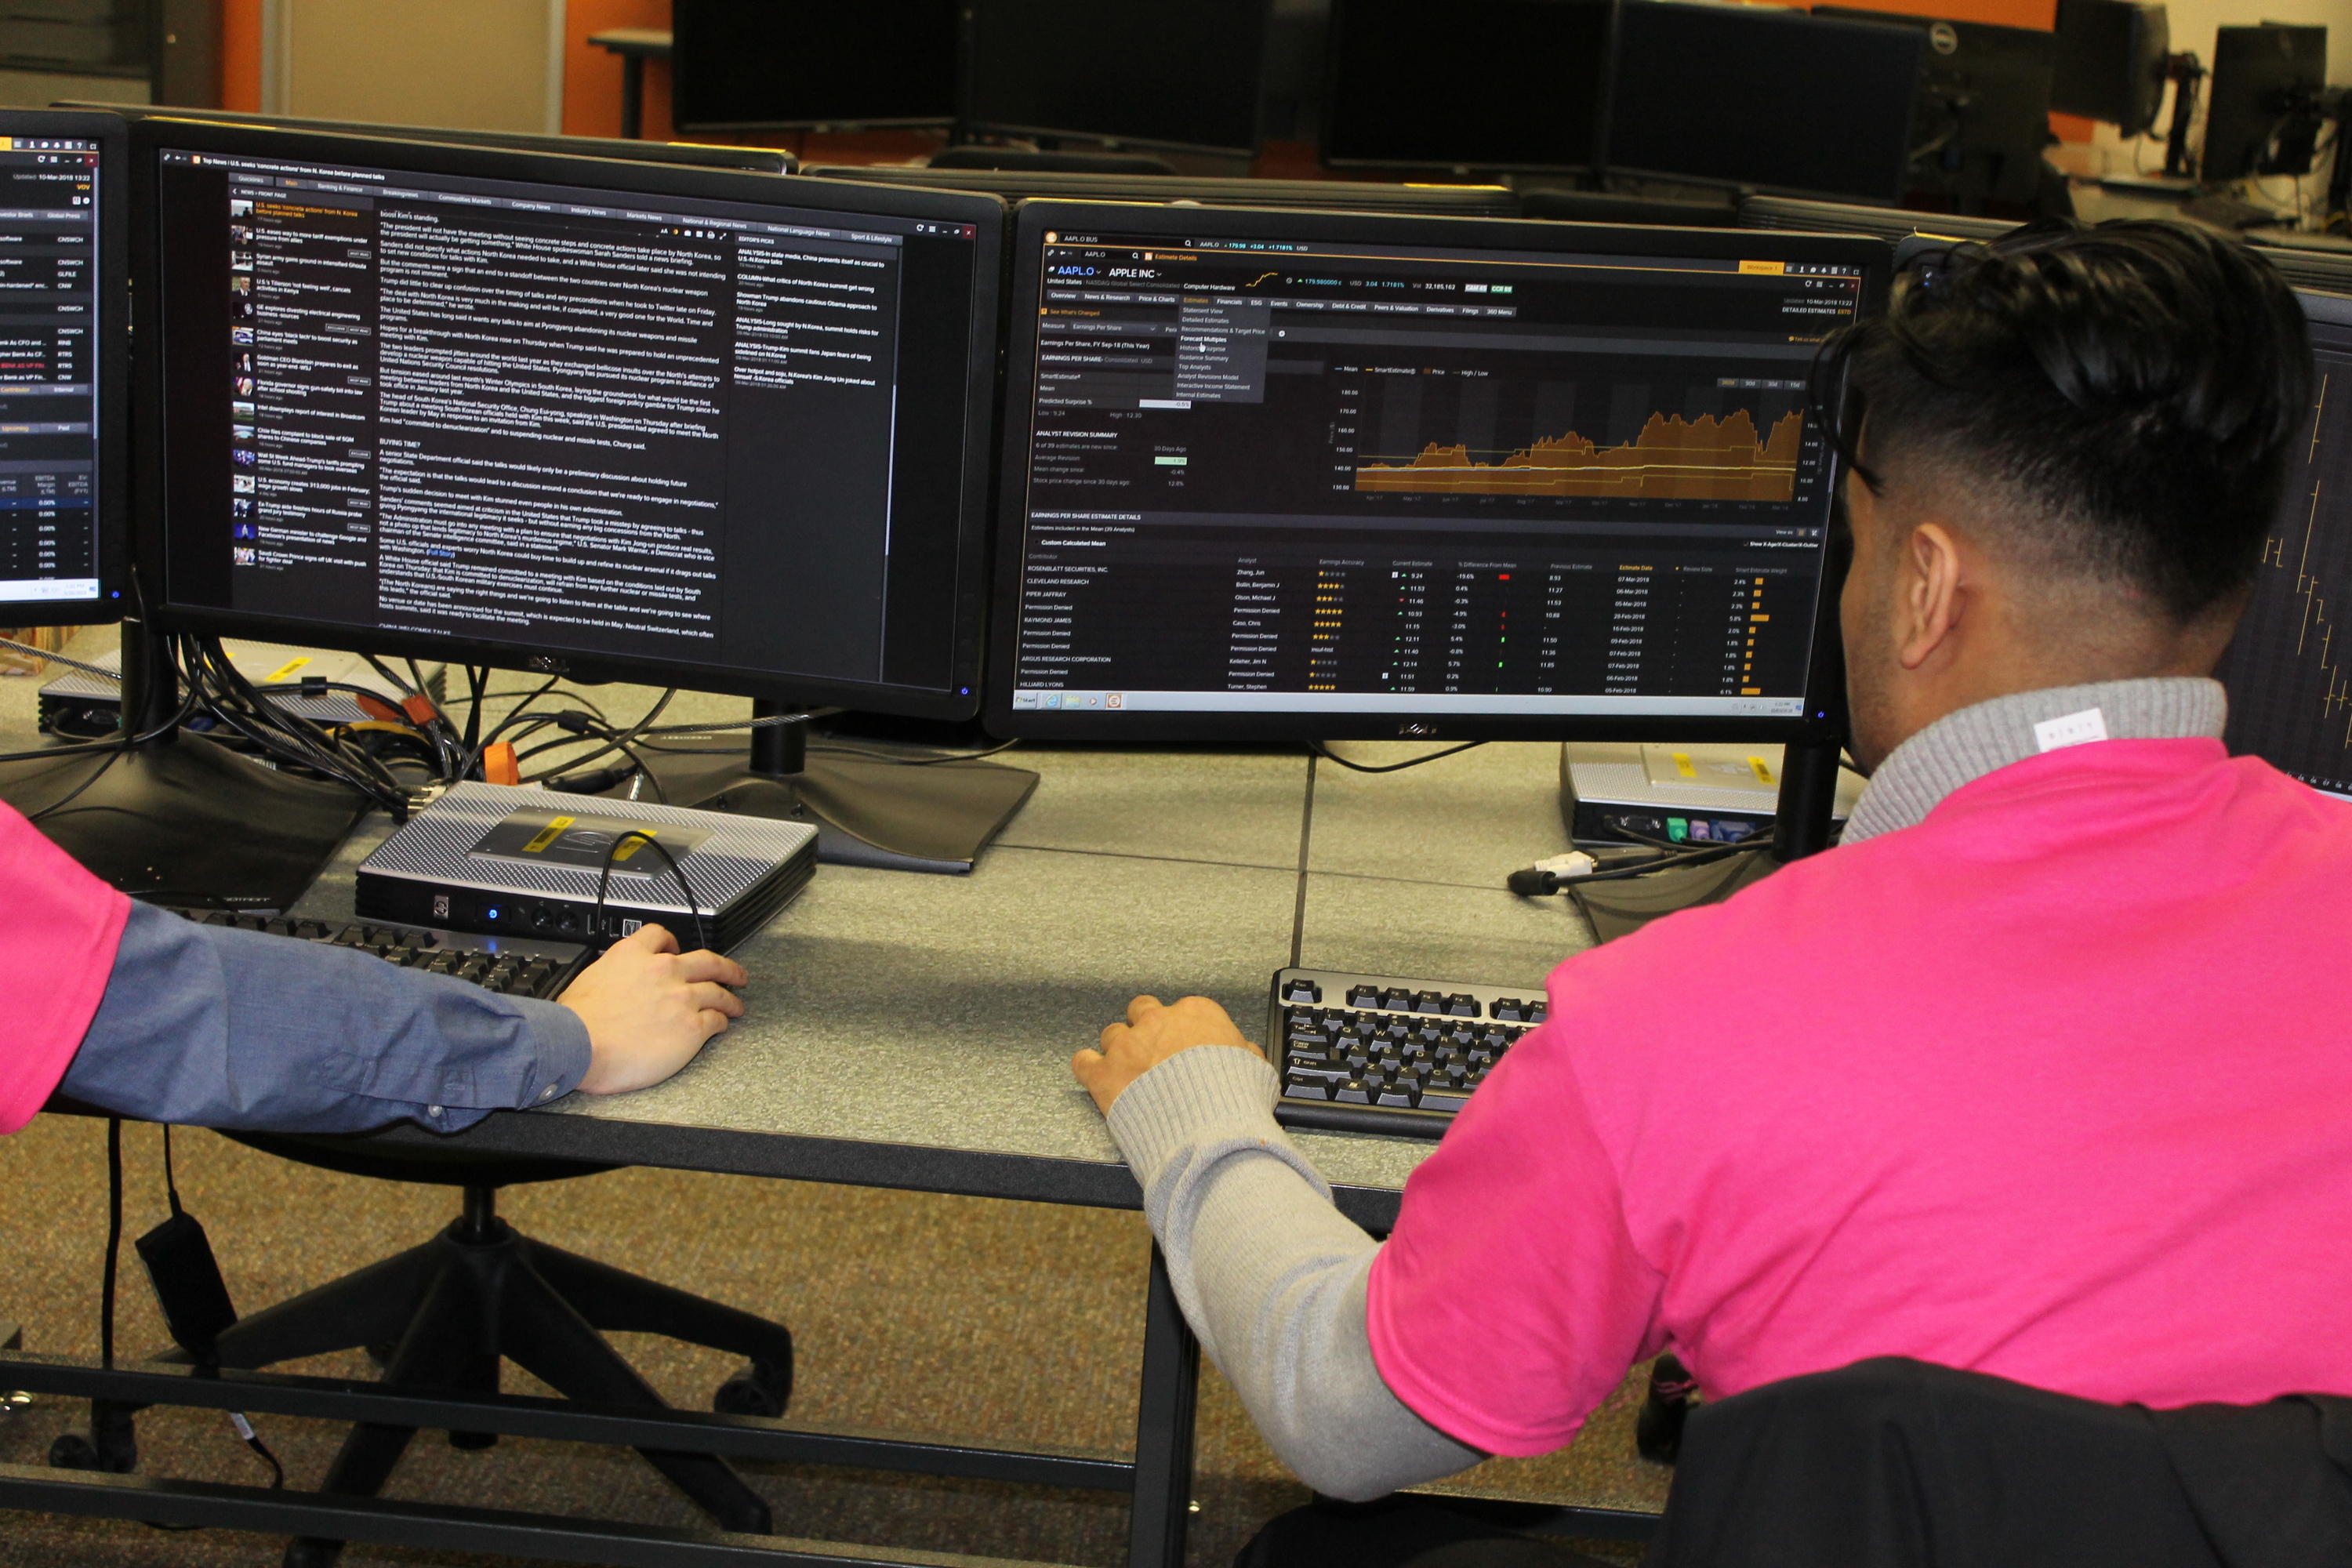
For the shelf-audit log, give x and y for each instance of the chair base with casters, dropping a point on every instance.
(443, 1315)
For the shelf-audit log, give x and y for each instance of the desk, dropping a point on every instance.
(913, 1032)
(635, 45)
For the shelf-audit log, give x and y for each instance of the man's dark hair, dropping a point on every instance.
(2125, 394)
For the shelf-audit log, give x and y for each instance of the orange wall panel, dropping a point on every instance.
(591, 76)
(241, 55)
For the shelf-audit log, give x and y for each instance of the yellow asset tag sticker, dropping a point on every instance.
(286, 671)
(1683, 765)
(628, 848)
(1763, 774)
(549, 834)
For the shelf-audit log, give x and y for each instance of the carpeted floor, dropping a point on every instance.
(1013, 1323)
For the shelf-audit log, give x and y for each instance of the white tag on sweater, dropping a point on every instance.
(2071, 730)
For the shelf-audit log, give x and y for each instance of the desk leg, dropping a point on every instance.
(1164, 1429)
(632, 97)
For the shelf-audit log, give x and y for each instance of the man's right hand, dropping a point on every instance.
(649, 1008)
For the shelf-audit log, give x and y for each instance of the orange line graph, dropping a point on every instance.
(2315, 630)
(1707, 459)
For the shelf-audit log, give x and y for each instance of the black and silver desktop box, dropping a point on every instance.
(500, 858)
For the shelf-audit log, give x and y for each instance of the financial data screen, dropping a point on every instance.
(1327, 477)
(2289, 669)
(565, 419)
(48, 372)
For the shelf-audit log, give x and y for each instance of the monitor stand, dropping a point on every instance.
(898, 816)
(1809, 776)
(178, 819)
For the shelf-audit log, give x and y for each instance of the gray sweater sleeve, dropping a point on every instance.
(1270, 1275)
(219, 1028)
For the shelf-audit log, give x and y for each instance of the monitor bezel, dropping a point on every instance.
(1891, 194)
(962, 698)
(1597, 132)
(1824, 708)
(692, 155)
(110, 356)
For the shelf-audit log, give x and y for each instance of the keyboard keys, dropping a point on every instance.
(510, 974)
(1388, 1054)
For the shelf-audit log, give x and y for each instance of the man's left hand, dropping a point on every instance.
(1150, 1036)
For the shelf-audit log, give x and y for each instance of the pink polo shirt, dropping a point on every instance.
(59, 930)
(2055, 1085)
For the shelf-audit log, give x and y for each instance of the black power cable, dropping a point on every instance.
(605, 882)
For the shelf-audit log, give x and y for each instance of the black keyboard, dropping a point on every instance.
(513, 966)
(1373, 1053)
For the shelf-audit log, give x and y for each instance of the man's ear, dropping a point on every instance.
(1930, 608)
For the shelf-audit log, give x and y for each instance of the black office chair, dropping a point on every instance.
(443, 1314)
(1893, 1463)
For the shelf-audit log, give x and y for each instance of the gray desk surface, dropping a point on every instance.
(915, 1031)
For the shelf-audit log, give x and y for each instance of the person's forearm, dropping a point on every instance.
(220, 1028)
(1270, 1275)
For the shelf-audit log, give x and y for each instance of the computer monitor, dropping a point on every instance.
(610, 420)
(2267, 80)
(1324, 195)
(2290, 684)
(1983, 112)
(690, 154)
(2112, 59)
(746, 65)
(1160, 73)
(1312, 476)
(64, 434)
(1488, 84)
(1755, 95)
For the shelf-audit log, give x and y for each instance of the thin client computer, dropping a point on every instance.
(1485, 85)
(137, 808)
(1764, 98)
(1320, 477)
(2290, 684)
(608, 420)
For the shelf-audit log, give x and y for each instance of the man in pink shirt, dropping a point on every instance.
(2044, 1072)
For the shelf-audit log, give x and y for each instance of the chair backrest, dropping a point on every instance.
(1892, 1463)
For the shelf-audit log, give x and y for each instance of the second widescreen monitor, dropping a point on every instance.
(703, 428)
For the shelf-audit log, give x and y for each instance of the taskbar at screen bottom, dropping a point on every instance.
(1427, 704)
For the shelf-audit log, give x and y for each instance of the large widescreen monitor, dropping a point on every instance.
(687, 426)
(742, 64)
(1162, 73)
(1762, 97)
(1315, 476)
(64, 393)
(2289, 669)
(1486, 84)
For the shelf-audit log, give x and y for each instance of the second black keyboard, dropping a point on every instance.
(1374, 1053)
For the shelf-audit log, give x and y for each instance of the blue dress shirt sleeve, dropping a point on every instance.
(218, 1027)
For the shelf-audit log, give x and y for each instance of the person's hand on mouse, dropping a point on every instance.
(649, 1008)
(1151, 1033)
